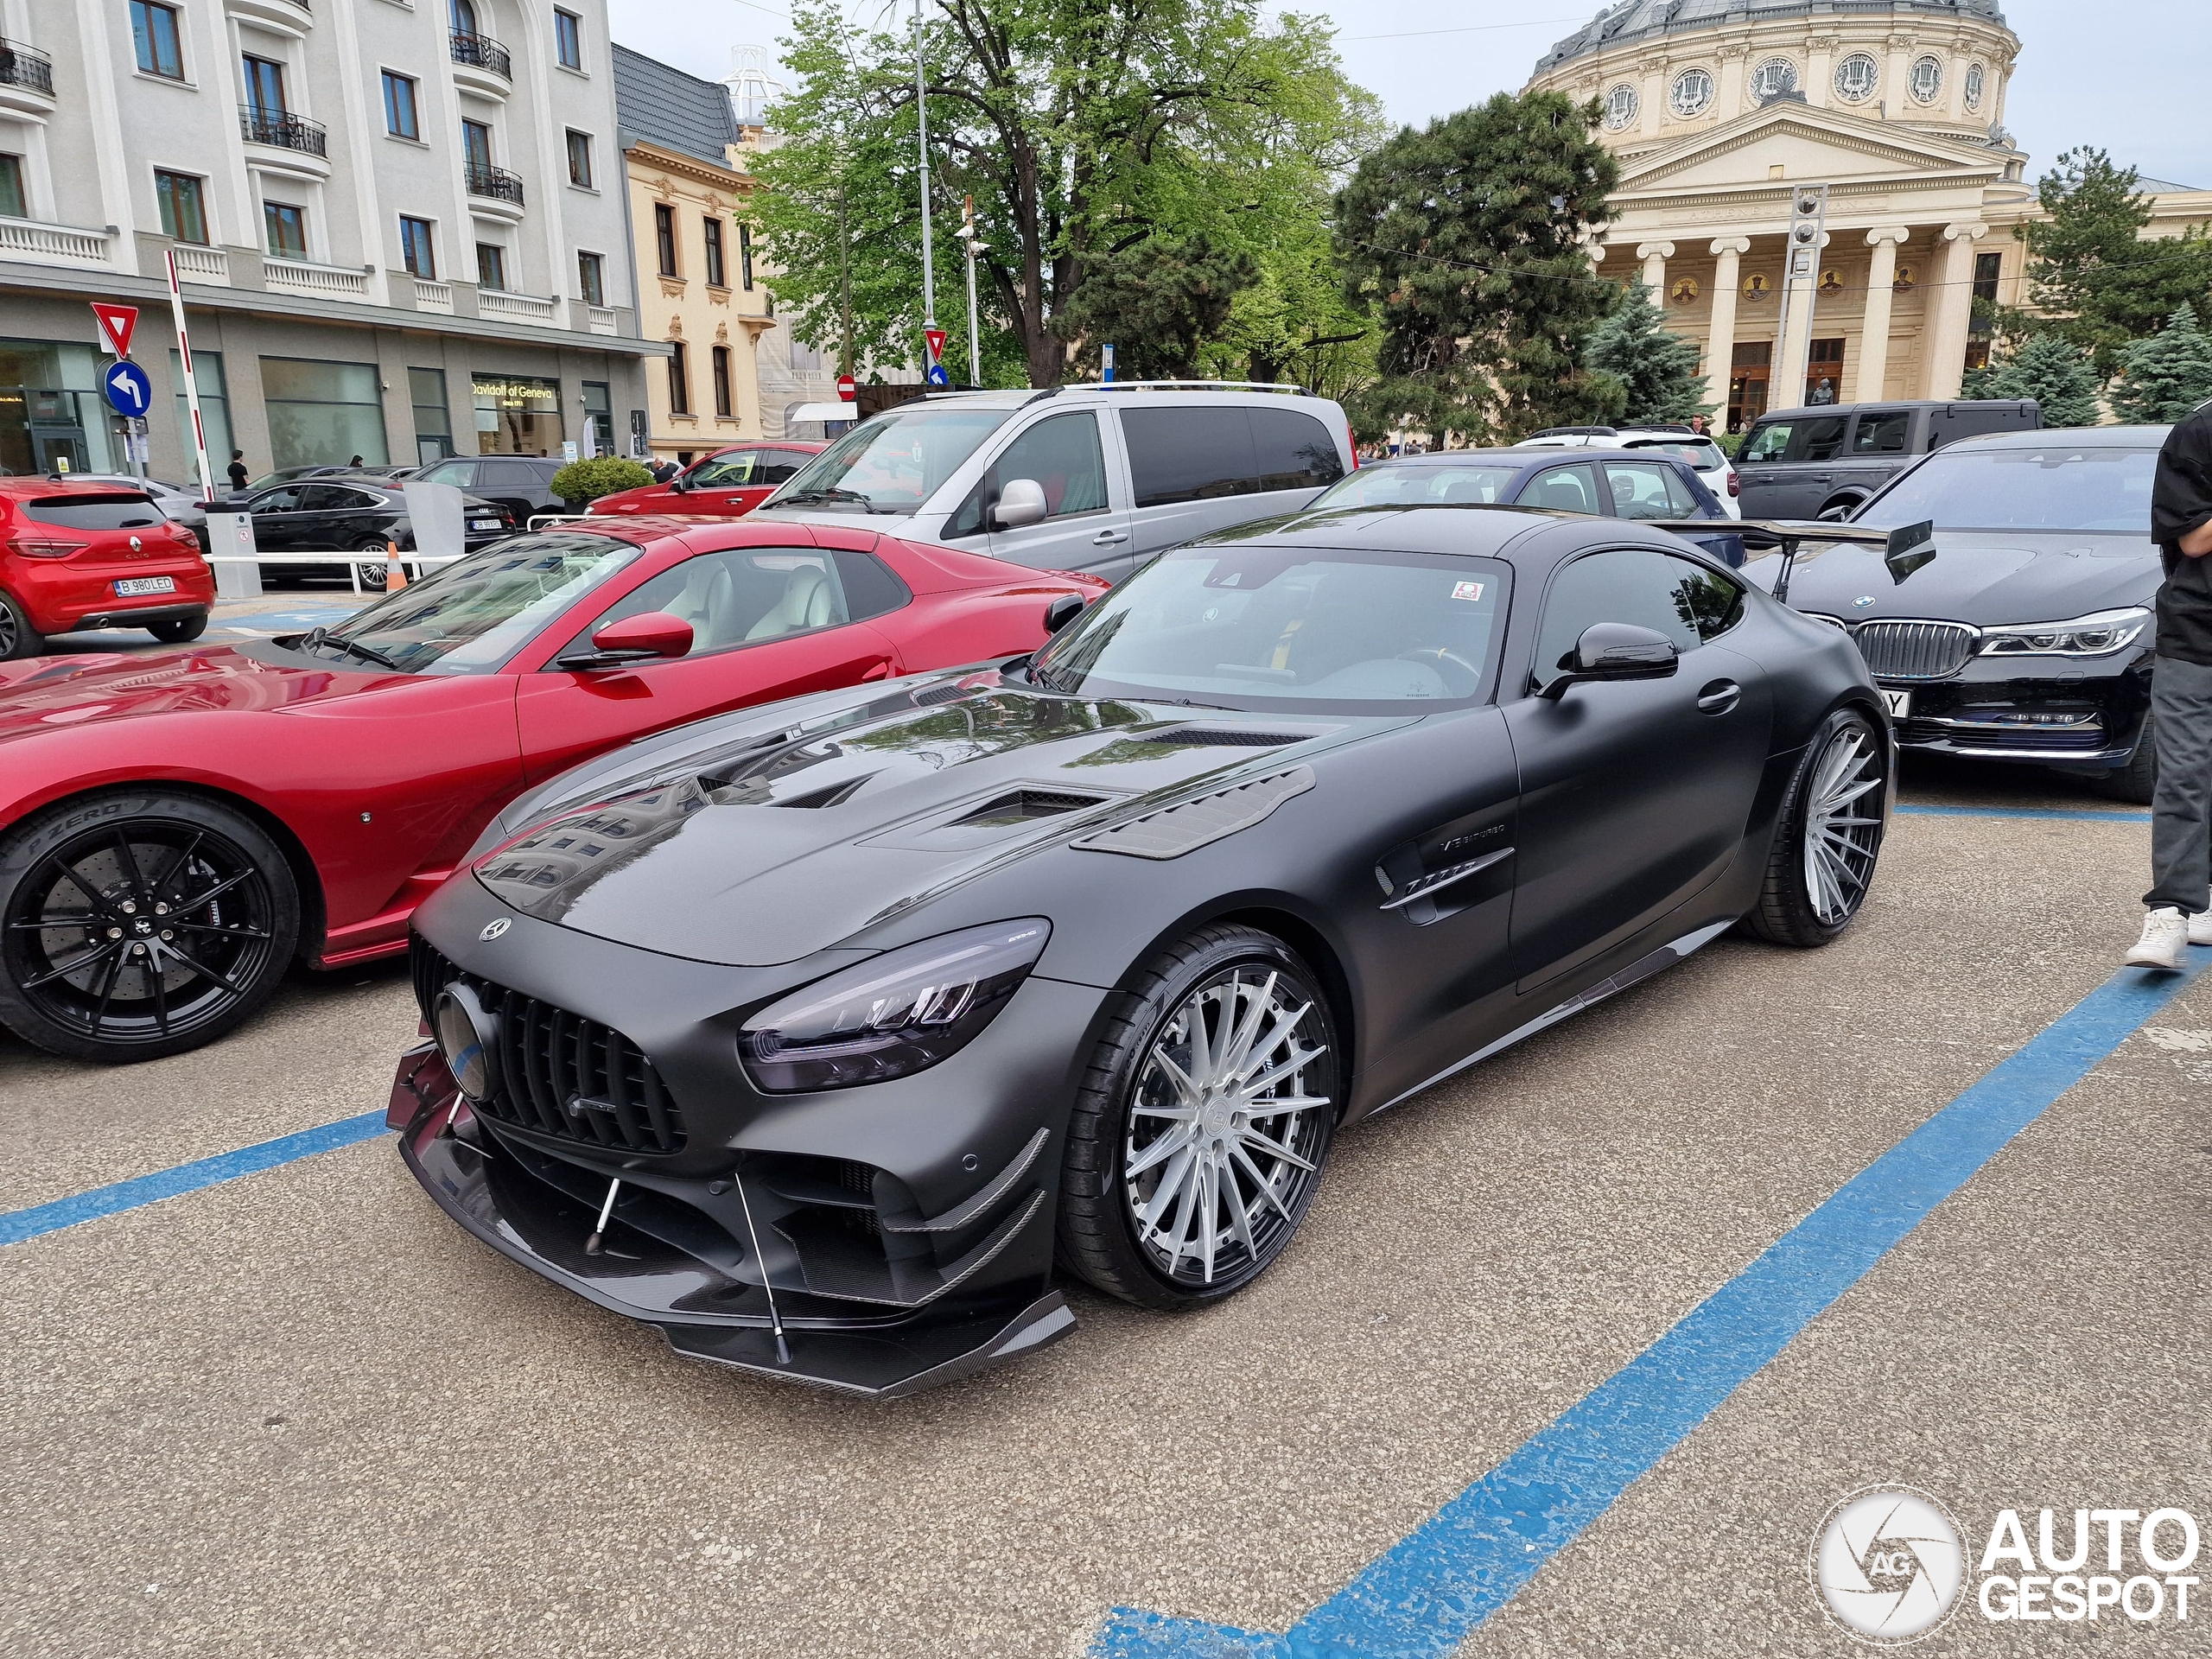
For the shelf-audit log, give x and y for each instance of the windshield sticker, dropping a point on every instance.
(1466, 590)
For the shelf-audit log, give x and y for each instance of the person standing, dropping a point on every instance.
(238, 470)
(2180, 899)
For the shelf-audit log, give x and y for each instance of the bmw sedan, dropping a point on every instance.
(822, 1037)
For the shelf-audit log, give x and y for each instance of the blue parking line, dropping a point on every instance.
(1421, 1598)
(18, 1225)
(2083, 813)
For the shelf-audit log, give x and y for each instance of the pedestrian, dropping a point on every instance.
(353, 465)
(2180, 899)
(237, 469)
(1698, 425)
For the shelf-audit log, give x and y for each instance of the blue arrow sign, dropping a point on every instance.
(129, 391)
(938, 375)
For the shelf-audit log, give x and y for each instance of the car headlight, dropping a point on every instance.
(893, 1014)
(2085, 636)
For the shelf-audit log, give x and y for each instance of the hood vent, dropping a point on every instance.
(1226, 737)
(1021, 805)
(1188, 825)
(937, 693)
(834, 795)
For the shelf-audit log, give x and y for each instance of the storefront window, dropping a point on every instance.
(599, 418)
(322, 414)
(518, 415)
(433, 415)
(214, 410)
(50, 410)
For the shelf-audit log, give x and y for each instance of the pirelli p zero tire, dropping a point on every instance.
(1198, 1136)
(1825, 846)
(17, 637)
(139, 922)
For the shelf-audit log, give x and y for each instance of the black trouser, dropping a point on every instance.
(2181, 809)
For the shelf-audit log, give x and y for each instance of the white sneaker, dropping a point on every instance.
(2165, 933)
(2200, 925)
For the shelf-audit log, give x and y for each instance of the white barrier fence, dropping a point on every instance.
(240, 586)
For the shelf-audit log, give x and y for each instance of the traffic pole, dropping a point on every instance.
(922, 123)
(191, 386)
(974, 334)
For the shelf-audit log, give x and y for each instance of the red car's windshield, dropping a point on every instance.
(470, 617)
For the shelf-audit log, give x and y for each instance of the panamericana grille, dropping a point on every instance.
(561, 1074)
(1914, 650)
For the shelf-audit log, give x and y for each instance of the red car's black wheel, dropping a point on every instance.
(140, 923)
(17, 637)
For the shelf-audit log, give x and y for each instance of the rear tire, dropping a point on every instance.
(180, 631)
(17, 637)
(1829, 838)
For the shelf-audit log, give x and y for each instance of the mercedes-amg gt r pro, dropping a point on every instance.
(815, 1035)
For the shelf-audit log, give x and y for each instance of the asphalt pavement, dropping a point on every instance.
(300, 1413)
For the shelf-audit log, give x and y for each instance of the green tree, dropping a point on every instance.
(2163, 378)
(1656, 367)
(2045, 367)
(1468, 240)
(1159, 303)
(2092, 275)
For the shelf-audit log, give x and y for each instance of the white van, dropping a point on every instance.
(1101, 478)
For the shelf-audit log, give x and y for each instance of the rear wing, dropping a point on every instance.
(1905, 550)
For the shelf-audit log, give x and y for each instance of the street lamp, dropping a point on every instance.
(973, 243)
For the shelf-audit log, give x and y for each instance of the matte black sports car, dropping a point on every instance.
(814, 1035)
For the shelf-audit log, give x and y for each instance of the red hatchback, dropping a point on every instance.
(176, 830)
(93, 555)
(726, 485)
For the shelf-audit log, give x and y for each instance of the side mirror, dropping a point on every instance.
(681, 484)
(633, 640)
(1062, 611)
(1836, 515)
(1021, 501)
(1615, 651)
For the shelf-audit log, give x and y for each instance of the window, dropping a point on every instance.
(491, 266)
(321, 412)
(569, 40)
(2061, 486)
(1631, 585)
(1649, 489)
(426, 390)
(1987, 267)
(1823, 372)
(400, 118)
(745, 257)
(1188, 454)
(153, 29)
(1881, 432)
(214, 406)
(1693, 90)
(713, 228)
(1564, 489)
(580, 159)
(1423, 484)
(476, 144)
(748, 595)
(461, 475)
(287, 229)
(1711, 604)
(518, 415)
(464, 17)
(599, 418)
(679, 380)
(1767, 443)
(12, 201)
(1818, 440)
(591, 278)
(720, 364)
(415, 251)
(1294, 451)
(664, 236)
(264, 85)
(1061, 454)
(184, 212)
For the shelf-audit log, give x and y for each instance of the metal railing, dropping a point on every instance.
(482, 52)
(415, 565)
(484, 180)
(282, 130)
(22, 66)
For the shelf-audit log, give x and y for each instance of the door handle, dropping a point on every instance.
(1720, 697)
(1108, 537)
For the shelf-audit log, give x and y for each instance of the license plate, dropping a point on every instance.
(1900, 703)
(483, 524)
(131, 586)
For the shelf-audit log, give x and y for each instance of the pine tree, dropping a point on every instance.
(2162, 378)
(1656, 367)
(2046, 368)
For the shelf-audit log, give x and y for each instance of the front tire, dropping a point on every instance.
(2138, 781)
(17, 637)
(140, 923)
(1198, 1136)
(1830, 836)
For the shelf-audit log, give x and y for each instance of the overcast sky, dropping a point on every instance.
(2130, 75)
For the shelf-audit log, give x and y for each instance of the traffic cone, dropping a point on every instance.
(395, 575)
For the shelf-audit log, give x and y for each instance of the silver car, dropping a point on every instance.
(1710, 463)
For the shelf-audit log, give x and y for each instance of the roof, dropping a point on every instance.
(2072, 437)
(660, 104)
(1813, 411)
(1638, 19)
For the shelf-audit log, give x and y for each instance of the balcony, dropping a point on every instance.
(317, 282)
(26, 78)
(430, 296)
(481, 64)
(498, 193)
(198, 263)
(516, 307)
(292, 17)
(281, 130)
(55, 244)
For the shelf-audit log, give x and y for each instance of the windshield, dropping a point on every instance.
(1246, 627)
(1416, 484)
(1702, 455)
(470, 617)
(2060, 487)
(893, 462)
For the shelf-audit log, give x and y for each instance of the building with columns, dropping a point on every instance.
(1728, 116)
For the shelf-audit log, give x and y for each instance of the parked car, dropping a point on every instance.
(726, 485)
(176, 830)
(348, 513)
(180, 504)
(1097, 477)
(291, 474)
(1711, 463)
(83, 555)
(1823, 462)
(1619, 484)
(815, 1036)
(521, 484)
(2023, 630)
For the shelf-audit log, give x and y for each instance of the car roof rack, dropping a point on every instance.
(1283, 386)
(1574, 432)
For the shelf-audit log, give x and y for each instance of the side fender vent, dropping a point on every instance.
(1188, 825)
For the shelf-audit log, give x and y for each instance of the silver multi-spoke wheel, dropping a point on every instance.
(1843, 823)
(1228, 1121)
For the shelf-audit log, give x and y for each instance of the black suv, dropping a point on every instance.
(521, 484)
(1823, 462)
(345, 512)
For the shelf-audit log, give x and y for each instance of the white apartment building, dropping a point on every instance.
(401, 226)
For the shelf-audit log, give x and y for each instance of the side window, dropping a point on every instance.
(730, 472)
(284, 500)
(1566, 489)
(736, 597)
(1629, 584)
(1188, 454)
(781, 466)
(871, 587)
(1648, 489)
(508, 474)
(1767, 443)
(1061, 455)
(1706, 600)
(1881, 432)
(461, 475)
(1292, 450)
(1819, 440)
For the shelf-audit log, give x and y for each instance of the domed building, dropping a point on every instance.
(1878, 123)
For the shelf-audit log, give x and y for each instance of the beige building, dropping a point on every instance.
(1729, 114)
(698, 289)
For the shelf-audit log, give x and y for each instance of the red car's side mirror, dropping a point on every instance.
(634, 639)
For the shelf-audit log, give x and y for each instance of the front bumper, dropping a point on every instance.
(2070, 712)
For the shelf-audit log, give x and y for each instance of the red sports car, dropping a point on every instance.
(728, 484)
(175, 829)
(94, 556)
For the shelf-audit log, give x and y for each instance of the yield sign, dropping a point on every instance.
(936, 337)
(118, 323)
